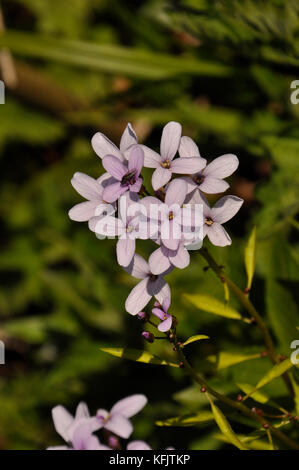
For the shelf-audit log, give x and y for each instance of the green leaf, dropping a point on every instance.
(249, 389)
(274, 373)
(225, 427)
(227, 359)
(187, 420)
(192, 339)
(250, 252)
(138, 356)
(108, 58)
(212, 305)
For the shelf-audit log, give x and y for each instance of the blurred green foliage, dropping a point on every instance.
(223, 69)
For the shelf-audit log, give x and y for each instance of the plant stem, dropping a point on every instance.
(236, 405)
(244, 300)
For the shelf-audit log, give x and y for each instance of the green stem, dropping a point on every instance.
(244, 300)
(236, 405)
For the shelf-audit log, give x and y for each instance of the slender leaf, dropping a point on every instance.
(225, 427)
(138, 356)
(192, 339)
(187, 420)
(250, 253)
(227, 359)
(212, 305)
(274, 373)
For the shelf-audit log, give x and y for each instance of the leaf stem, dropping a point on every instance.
(236, 405)
(244, 300)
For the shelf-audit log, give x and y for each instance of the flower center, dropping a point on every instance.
(170, 215)
(153, 277)
(198, 179)
(129, 178)
(209, 221)
(129, 229)
(165, 164)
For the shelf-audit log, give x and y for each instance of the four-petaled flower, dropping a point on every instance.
(210, 178)
(117, 419)
(160, 311)
(224, 210)
(125, 175)
(151, 285)
(164, 164)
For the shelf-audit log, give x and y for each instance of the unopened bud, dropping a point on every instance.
(203, 389)
(266, 425)
(143, 316)
(113, 442)
(239, 397)
(181, 365)
(149, 337)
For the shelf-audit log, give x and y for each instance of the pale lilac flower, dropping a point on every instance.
(76, 431)
(224, 209)
(149, 286)
(164, 164)
(103, 146)
(173, 219)
(160, 311)
(125, 175)
(210, 177)
(92, 190)
(126, 227)
(117, 420)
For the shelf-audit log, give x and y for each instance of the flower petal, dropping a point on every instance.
(188, 165)
(170, 140)
(176, 192)
(62, 420)
(83, 211)
(164, 291)
(166, 304)
(103, 146)
(109, 226)
(136, 159)
(138, 298)
(212, 185)
(128, 138)
(82, 411)
(188, 148)
(218, 235)
(226, 208)
(112, 192)
(129, 406)
(138, 267)
(158, 261)
(119, 425)
(160, 177)
(114, 167)
(165, 325)
(181, 259)
(151, 158)
(88, 187)
(222, 166)
(125, 249)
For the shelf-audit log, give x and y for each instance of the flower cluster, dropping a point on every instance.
(78, 431)
(176, 216)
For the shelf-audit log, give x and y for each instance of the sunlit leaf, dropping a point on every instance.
(187, 420)
(212, 305)
(275, 372)
(249, 390)
(250, 252)
(138, 356)
(225, 427)
(226, 359)
(192, 339)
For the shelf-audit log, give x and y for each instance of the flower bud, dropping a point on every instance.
(148, 336)
(143, 316)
